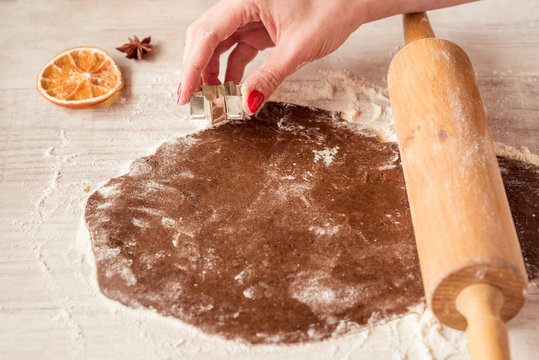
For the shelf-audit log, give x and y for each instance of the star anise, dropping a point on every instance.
(136, 48)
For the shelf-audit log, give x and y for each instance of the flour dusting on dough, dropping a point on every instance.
(326, 156)
(274, 222)
(322, 293)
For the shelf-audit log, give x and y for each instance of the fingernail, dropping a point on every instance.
(254, 100)
(178, 93)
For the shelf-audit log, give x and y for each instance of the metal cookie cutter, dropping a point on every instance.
(217, 103)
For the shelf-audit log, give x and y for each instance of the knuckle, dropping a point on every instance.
(272, 76)
(190, 30)
(210, 37)
(198, 29)
(210, 73)
(197, 67)
(237, 57)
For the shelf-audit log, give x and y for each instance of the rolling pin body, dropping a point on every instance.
(462, 222)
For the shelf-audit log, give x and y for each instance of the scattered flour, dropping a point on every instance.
(356, 99)
(522, 153)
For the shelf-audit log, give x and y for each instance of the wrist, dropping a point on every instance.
(378, 9)
(372, 10)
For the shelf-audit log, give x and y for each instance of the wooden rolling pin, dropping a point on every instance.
(471, 262)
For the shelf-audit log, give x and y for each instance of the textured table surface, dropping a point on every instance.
(52, 157)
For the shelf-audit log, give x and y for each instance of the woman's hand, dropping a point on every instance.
(301, 31)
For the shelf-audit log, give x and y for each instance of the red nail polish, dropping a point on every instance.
(178, 93)
(254, 100)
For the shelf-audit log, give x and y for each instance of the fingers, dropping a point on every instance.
(210, 74)
(262, 82)
(203, 37)
(238, 60)
(251, 38)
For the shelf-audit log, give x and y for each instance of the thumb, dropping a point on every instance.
(262, 82)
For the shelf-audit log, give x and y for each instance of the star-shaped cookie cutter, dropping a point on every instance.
(216, 103)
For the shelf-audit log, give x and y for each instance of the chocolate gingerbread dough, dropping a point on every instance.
(292, 226)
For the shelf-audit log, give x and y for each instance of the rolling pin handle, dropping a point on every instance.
(416, 26)
(485, 331)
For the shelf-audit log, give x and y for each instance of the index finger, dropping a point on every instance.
(205, 34)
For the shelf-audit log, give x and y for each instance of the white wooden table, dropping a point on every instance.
(51, 158)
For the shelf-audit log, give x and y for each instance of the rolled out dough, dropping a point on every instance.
(292, 226)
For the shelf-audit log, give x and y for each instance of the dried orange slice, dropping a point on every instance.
(80, 77)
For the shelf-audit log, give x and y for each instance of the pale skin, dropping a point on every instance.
(300, 31)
